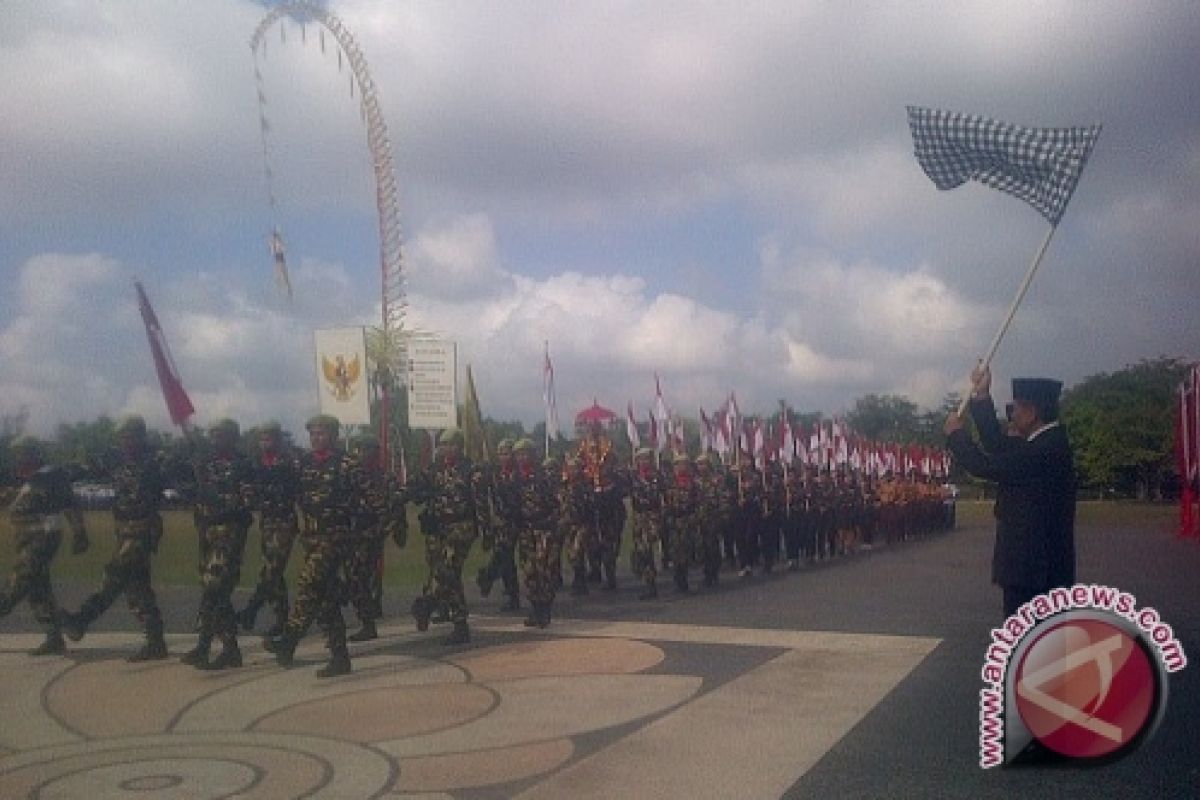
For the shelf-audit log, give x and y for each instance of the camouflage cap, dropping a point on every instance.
(504, 446)
(524, 444)
(704, 458)
(327, 422)
(270, 428)
(227, 426)
(681, 458)
(549, 463)
(133, 425)
(644, 452)
(451, 436)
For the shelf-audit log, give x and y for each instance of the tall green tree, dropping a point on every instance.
(885, 417)
(1121, 426)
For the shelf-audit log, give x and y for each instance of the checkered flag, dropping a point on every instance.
(1039, 165)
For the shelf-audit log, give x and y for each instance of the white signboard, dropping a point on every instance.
(342, 374)
(432, 384)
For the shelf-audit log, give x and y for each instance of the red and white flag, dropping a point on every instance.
(661, 416)
(631, 429)
(179, 405)
(548, 398)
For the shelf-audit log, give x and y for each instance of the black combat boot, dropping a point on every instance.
(198, 655)
(155, 648)
(52, 646)
(461, 634)
(421, 612)
(681, 580)
(366, 633)
(610, 575)
(484, 580)
(710, 578)
(544, 616)
(72, 624)
(579, 586)
(230, 655)
(594, 575)
(534, 620)
(513, 603)
(284, 649)
(649, 593)
(249, 614)
(339, 663)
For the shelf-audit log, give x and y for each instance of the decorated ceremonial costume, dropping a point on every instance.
(577, 515)
(681, 504)
(137, 486)
(772, 516)
(277, 489)
(224, 498)
(539, 538)
(646, 500)
(596, 461)
(502, 489)
(452, 518)
(36, 510)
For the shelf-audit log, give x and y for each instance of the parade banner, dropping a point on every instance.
(432, 384)
(342, 374)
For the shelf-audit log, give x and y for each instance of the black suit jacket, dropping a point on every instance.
(1035, 499)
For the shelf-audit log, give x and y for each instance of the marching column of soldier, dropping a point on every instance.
(342, 505)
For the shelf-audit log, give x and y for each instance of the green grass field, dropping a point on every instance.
(175, 564)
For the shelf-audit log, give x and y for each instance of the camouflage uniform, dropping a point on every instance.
(331, 485)
(539, 538)
(224, 497)
(748, 515)
(646, 499)
(505, 505)
(35, 513)
(138, 487)
(451, 519)
(277, 489)
(772, 515)
(576, 502)
(681, 504)
(716, 502)
(380, 512)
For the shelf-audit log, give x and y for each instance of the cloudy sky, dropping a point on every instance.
(720, 192)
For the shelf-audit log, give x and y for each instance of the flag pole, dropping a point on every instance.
(1024, 287)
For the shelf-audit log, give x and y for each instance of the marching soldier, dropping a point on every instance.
(503, 563)
(380, 513)
(715, 501)
(539, 538)
(747, 515)
(36, 511)
(646, 499)
(772, 515)
(277, 488)
(332, 485)
(138, 488)
(452, 518)
(575, 503)
(681, 504)
(224, 497)
(595, 455)
(793, 516)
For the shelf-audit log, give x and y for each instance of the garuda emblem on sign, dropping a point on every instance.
(341, 379)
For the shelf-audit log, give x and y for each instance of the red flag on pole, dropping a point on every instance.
(179, 405)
